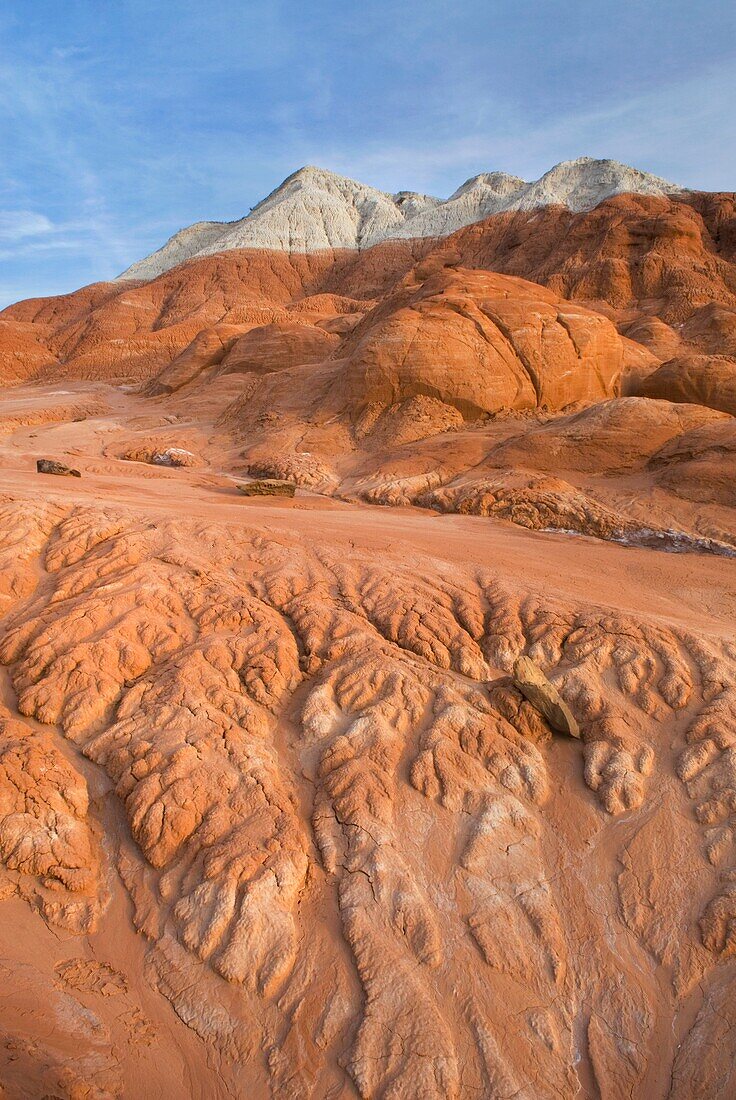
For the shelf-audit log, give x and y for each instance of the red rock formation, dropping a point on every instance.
(610, 436)
(23, 355)
(698, 379)
(472, 342)
(700, 464)
(480, 342)
(671, 259)
(207, 349)
(274, 819)
(277, 347)
(335, 822)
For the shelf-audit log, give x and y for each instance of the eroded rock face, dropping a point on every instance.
(480, 342)
(274, 818)
(351, 867)
(698, 379)
(48, 852)
(208, 348)
(700, 465)
(406, 421)
(611, 436)
(73, 1058)
(300, 469)
(274, 347)
(161, 456)
(23, 354)
(661, 267)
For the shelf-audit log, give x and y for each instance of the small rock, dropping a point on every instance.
(267, 487)
(174, 456)
(51, 466)
(169, 456)
(534, 686)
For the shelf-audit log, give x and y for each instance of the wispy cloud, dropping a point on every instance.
(18, 225)
(49, 114)
(675, 131)
(122, 122)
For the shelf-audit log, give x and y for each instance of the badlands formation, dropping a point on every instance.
(284, 811)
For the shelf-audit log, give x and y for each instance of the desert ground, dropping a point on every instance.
(276, 817)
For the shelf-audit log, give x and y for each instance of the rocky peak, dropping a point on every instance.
(316, 209)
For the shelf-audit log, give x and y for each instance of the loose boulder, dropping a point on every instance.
(267, 487)
(51, 466)
(542, 694)
(158, 456)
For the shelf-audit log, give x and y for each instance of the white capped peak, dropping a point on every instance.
(315, 209)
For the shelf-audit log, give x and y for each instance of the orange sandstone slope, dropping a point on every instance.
(275, 820)
(649, 263)
(469, 341)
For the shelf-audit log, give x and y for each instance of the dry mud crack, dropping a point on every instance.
(271, 808)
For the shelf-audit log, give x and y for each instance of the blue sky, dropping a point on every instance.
(122, 120)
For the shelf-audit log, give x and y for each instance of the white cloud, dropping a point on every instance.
(676, 131)
(94, 136)
(17, 225)
(50, 116)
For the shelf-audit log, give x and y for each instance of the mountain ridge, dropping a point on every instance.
(314, 209)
